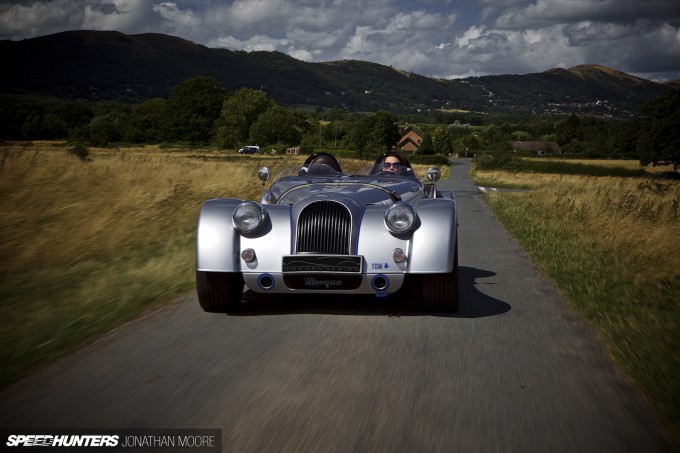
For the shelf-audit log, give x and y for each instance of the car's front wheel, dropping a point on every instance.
(219, 291)
(439, 292)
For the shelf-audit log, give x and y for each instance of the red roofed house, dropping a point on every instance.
(410, 140)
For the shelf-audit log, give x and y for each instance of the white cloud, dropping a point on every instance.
(254, 43)
(319, 41)
(121, 15)
(37, 18)
(262, 14)
(176, 21)
(481, 50)
(303, 55)
(423, 36)
(30, 19)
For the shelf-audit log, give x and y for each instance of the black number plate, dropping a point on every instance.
(322, 263)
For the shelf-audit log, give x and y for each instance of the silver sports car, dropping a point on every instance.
(319, 230)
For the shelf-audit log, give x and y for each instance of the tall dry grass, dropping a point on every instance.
(58, 209)
(85, 246)
(624, 163)
(637, 216)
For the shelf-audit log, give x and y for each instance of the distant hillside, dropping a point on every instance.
(131, 68)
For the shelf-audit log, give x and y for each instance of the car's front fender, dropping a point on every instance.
(433, 243)
(430, 249)
(217, 245)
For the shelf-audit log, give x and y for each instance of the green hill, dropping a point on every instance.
(100, 65)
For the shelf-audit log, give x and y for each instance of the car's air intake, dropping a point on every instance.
(324, 227)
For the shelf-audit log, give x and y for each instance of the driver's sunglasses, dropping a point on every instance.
(390, 164)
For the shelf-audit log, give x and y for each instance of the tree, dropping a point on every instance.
(468, 143)
(441, 141)
(146, 122)
(625, 139)
(239, 112)
(520, 136)
(63, 117)
(426, 146)
(106, 129)
(494, 136)
(385, 130)
(359, 131)
(332, 132)
(334, 114)
(192, 109)
(53, 126)
(570, 130)
(276, 125)
(373, 134)
(658, 138)
(31, 125)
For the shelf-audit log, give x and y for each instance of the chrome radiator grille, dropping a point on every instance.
(324, 227)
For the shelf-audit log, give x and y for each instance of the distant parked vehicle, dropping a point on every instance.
(249, 150)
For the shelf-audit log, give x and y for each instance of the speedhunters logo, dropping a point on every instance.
(47, 440)
(129, 440)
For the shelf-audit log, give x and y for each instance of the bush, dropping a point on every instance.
(497, 161)
(80, 151)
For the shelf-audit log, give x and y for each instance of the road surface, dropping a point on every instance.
(513, 370)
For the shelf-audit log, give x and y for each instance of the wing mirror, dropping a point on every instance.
(433, 175)
(263, 175)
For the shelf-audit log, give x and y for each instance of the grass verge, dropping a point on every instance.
(488, 180)
(611, 246)
(52, 311)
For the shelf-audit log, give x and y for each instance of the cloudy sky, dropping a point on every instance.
(436, 38)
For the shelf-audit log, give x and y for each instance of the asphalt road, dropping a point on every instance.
(513, 370)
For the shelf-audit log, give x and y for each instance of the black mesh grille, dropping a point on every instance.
(324, 227)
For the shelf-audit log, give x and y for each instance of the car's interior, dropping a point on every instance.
(320, 163)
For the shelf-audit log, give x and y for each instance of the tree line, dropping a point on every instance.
(199, 111)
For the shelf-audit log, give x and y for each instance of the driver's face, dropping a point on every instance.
(391, 164)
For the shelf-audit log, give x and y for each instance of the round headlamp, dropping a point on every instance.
(400, 218)
(248, 217)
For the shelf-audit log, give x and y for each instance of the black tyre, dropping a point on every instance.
(439, 292)
(219, 291)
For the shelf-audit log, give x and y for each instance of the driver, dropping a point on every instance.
(391, 163)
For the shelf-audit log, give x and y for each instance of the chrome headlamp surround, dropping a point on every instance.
(248, 217)
(400, 218)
